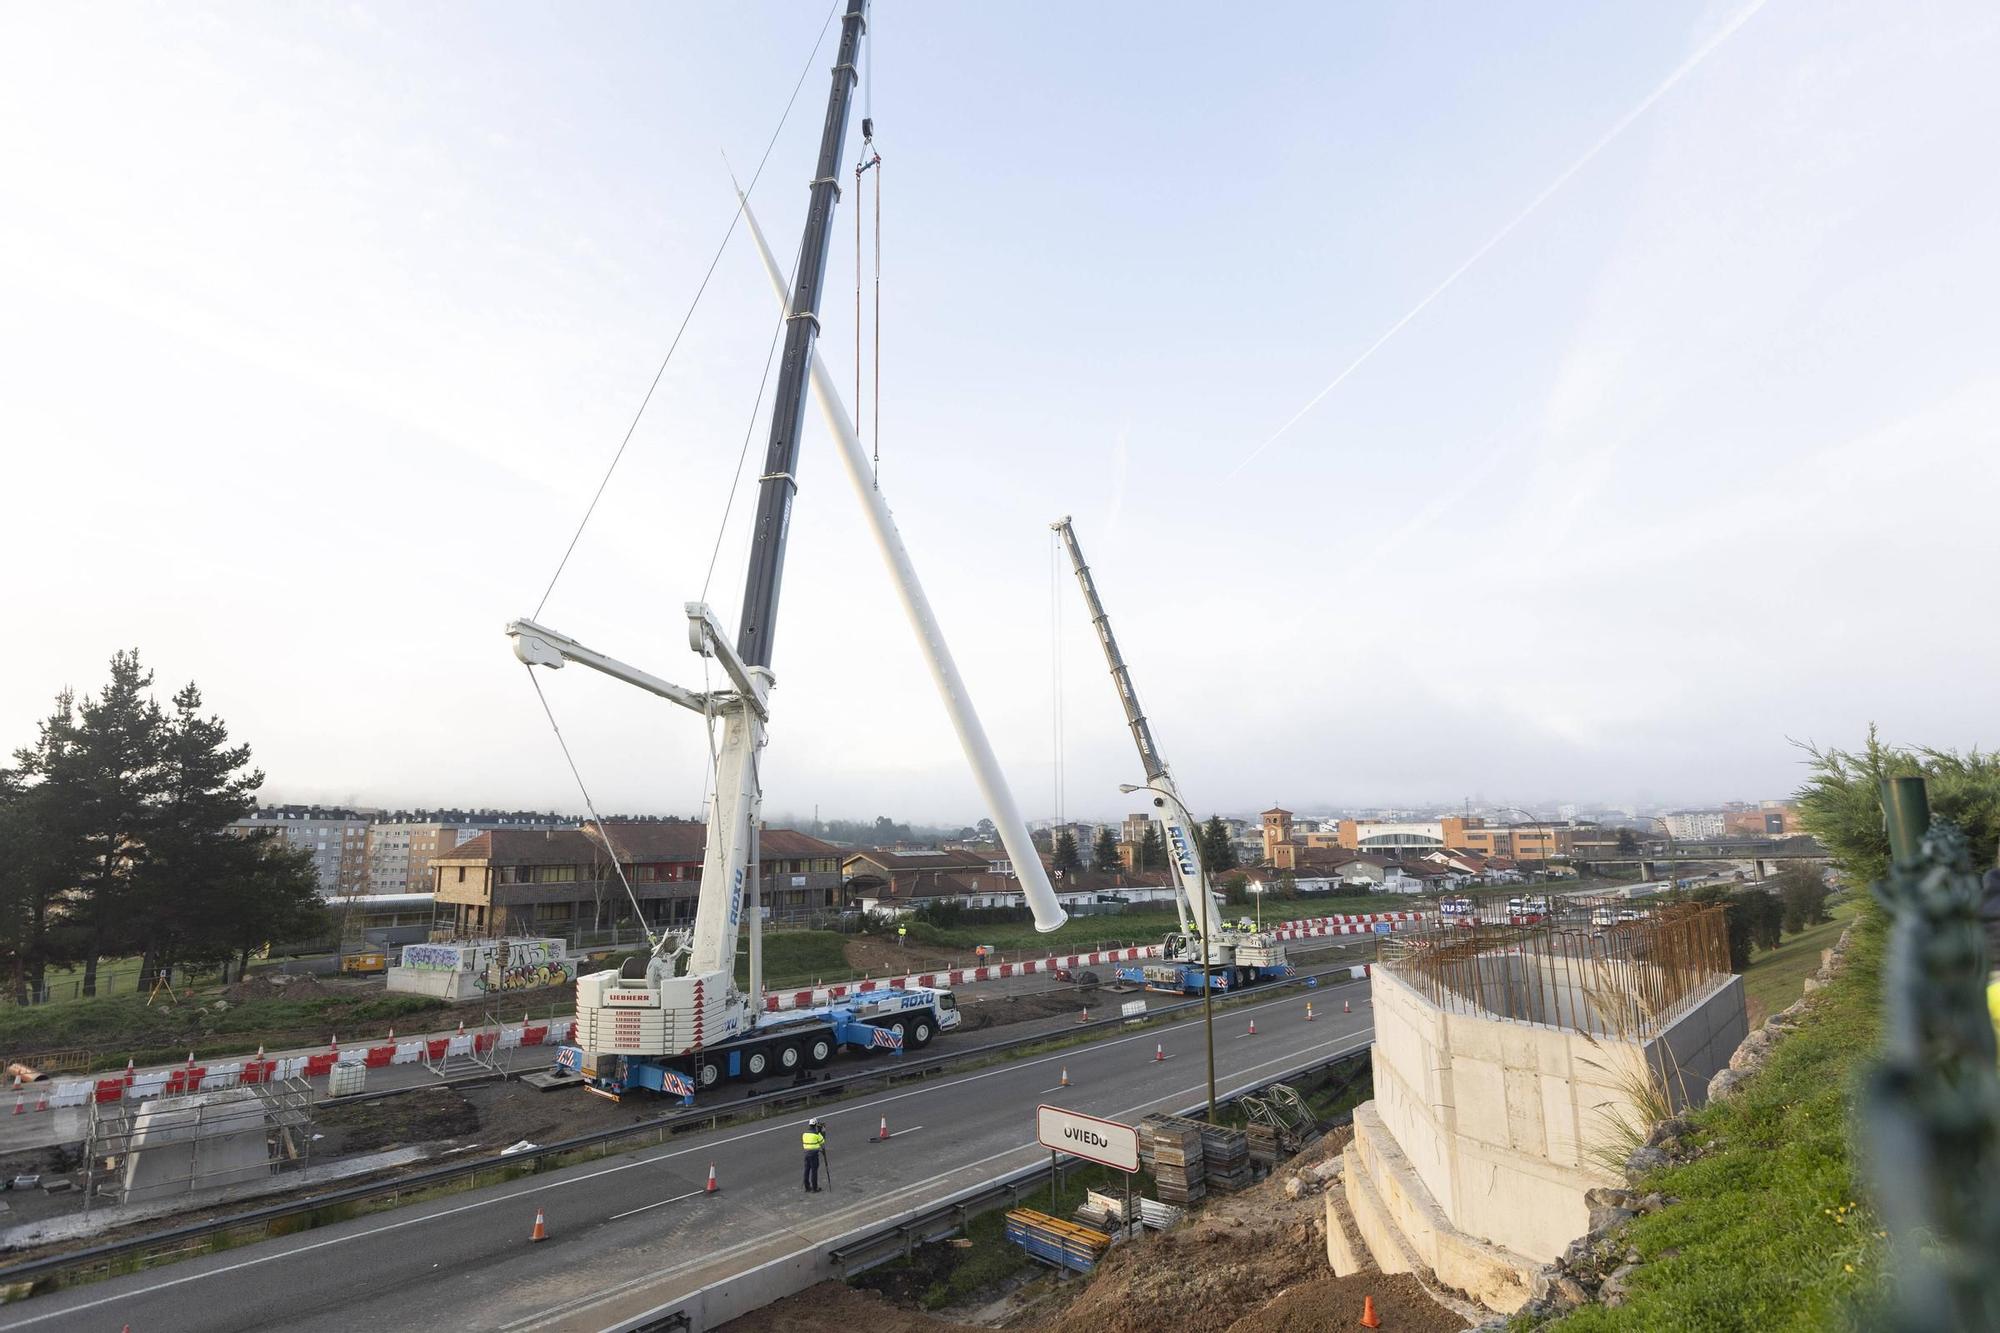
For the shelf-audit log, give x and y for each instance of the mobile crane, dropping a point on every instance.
(1235, 956)
(675, 1021)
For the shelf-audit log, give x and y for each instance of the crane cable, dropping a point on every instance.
(597, 822)
(1055, 641)
(870, 159)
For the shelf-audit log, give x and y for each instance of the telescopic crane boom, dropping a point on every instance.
(1227, 946)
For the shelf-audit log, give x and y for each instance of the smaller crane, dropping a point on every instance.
(1236, 957)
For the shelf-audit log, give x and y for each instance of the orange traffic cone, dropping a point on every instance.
(1159, 1052)
(1085, 1018)
(1369, 1319)
(1065, 1078)
(461, 1027)
(1346, 1008)
(882, 1134)
(1253, 1029)
(711, 1187)
(130, 1073)
(1309, 1011)
(20, 1105)
(41, 1096)
(541, 1231)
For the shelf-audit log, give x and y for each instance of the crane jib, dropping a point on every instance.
(781, 456)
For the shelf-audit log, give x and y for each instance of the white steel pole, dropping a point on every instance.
(999, 798)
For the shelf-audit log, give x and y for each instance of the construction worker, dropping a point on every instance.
(815, 1146)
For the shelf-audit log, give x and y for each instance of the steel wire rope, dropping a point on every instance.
(714, 260)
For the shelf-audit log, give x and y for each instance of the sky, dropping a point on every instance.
(1662, 342)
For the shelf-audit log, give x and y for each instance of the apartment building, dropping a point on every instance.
(337, 839)
(402, 844)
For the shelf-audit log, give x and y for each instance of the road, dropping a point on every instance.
(635, 1230)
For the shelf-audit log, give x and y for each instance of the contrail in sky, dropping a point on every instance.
(1604, 141)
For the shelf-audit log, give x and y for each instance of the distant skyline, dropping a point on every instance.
(1489, 401)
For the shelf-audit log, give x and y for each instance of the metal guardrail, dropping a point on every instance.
(881, 1071)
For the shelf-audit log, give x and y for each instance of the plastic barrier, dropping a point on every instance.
(108, 1090)
(259, 1071)
(408, 1053)
(483, 1042)
(435, 1048)
(379, 1057)
(222, 1076)
(319, 1065)
(458, 1045)
(73, 1092)
(536, 1035)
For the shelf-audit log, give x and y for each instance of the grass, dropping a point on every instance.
(1768, 1233)
(798, 958)
(125, 1025)
(1777, 977)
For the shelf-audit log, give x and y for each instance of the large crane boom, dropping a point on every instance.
(1183, 856)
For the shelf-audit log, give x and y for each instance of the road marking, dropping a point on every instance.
(557, 1313)
(1004, 1067)
(691, 1194)
(898, 1134)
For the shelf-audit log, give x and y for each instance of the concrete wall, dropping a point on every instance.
(1503, 1122)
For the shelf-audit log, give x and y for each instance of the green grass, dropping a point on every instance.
(1143, 926)
(1769, 1233)
(798, 958)
(125, 1025)
(1777, 977)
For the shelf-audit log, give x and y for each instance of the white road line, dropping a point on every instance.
(691, 1194)
(170, 1283)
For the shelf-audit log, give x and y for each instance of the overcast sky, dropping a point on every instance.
(319, 324)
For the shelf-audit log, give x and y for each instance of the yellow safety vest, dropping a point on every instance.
(814, 1142)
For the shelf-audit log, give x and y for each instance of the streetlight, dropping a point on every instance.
(1160, 797)
(1544, 828)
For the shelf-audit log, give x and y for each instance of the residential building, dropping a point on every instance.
(1696, 825)
(337, 839)
(1133, 827)
(1764, 819)
(402, 845)
(523, 881)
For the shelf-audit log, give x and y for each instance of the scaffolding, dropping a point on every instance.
(168, 1146)
(1629, 978)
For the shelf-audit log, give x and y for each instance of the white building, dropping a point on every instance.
(337, 839)
(1697, 825)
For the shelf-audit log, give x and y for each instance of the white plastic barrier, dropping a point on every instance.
(407, 1053)
(459, 1045)
(73, 1093)
(147, 1085)
(222, 1076)
(291, 1067)
(509, 1038)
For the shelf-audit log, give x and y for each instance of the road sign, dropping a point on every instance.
(1080, 1135)
(1384, 927)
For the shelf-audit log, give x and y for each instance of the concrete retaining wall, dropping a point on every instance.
(1504, 1123)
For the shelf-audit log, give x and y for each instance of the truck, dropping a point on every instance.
(1233, 956)
(674, 1019)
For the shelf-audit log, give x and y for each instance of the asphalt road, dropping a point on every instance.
(635, 1230)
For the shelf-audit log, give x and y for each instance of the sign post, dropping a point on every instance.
(1107, 1142)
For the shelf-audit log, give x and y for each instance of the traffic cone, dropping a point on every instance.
(1159, 1052)
(1346, 1008)
(1253, 1029)
(1086, 1016)
(882, 1134)
(1369, 1319)
(1309, 1011)
(20, 1105)
(1065, 1078)
(461, 1027)
(41, 1096)
(130, 1073)
(541, 1231)
(711, 1187)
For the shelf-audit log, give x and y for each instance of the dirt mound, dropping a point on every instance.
(1336, 1302)
(276, 986)
(833, 1306)
(1207, 1274)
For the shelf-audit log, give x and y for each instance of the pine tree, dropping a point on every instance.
(1152, 849)
(116, 778)
(1104, 856)
(205, 784)
(1217, 852)
(1066, 859)
(41, 810)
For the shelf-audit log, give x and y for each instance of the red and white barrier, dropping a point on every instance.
(1310, 928)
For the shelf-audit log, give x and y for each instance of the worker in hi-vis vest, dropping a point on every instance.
(815, 1146)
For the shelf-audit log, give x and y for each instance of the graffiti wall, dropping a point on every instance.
(497, 965)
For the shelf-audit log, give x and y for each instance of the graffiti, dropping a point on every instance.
(433, 957)
(514, 965)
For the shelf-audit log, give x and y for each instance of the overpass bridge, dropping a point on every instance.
(1653, 853)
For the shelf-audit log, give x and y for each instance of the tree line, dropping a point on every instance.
(114, 842)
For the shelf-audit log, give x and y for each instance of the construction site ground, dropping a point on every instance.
(1253, 1262)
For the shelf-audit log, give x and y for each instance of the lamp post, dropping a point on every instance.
(1160, 798)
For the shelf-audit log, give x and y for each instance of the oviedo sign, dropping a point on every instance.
(1085, 1136)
